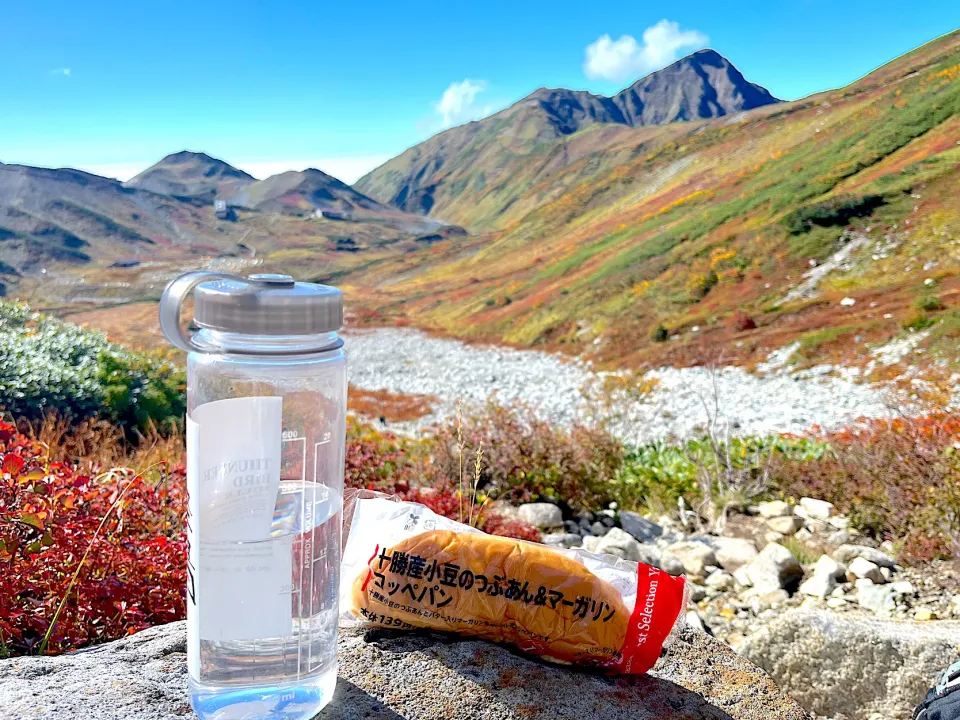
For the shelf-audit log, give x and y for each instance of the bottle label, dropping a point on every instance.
(239, 577)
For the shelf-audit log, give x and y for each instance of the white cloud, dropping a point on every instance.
(458, 104)
(627, 59)
(65, 72)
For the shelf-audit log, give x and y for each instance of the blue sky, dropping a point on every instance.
(113, 86)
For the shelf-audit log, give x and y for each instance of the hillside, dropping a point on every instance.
(69, 238)
(304, 193)
(598, 238)
(191, 174)
(75, 218)
(449, 174)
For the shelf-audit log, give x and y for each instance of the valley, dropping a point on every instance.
(691, 218)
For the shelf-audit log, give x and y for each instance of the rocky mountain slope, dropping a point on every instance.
(307, 192)
(64, 232)
(69, 217)
(191, 174)
(430, 177)
(830, 221)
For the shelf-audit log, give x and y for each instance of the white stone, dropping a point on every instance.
(622, 544)
(720, 580)
(826, 565)
(774, 508)
(887, 573)
(733, 553)
(863, 582)
(848, 302)
(772, 536)
(692, 556)
(760, 602)
(774, 568)
(838, 538)
(839, 522)
(878, 598)
(803, 535)
(742, 576)
(818, 586)
(541, 515)
(787, 525)
(836, 602)
(816, 509)
(903, 587)
(863, 568)
(565, 540)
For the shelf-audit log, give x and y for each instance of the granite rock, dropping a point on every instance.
(843, 665)
(385, 675)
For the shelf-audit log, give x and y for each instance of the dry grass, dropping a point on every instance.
(390, 406)
(95, 445)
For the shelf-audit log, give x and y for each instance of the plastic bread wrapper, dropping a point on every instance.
(406, 567)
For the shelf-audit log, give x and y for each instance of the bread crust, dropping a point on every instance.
(499, 589)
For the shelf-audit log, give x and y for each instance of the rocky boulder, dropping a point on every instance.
(638, 526)
(733, 553)
(622, 544)
(847, 553)
(814, 509)
(774, 568)
(688, 556)
(853, 667)
(774, 508)
(541, 515)
(409, 676)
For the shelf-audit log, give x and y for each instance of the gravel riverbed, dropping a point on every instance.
(407, 361)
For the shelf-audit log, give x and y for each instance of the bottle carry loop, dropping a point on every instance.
(172, 301)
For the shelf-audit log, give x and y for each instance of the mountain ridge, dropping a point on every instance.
(191, 174)
(703, 85)
(609, 239)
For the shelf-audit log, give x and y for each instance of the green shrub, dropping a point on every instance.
(831, 213)
(659, 333)
(658, 474)
(919, 321)
(929, 303)
(47, 365)
(698, 285)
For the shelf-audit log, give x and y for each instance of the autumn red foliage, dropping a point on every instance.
(51, 515)
(897, 479)
(130, 527)
(742, 322)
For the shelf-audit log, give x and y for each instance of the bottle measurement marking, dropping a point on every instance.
(327, 437)
(292, 436)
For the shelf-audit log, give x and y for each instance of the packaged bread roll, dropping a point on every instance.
(406, 567)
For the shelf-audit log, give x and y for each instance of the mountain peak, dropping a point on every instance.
(707, 54)
(191, 174)
(701, 85)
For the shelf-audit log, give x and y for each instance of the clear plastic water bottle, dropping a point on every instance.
(266, 408)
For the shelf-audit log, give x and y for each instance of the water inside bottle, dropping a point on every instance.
(293, 675)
